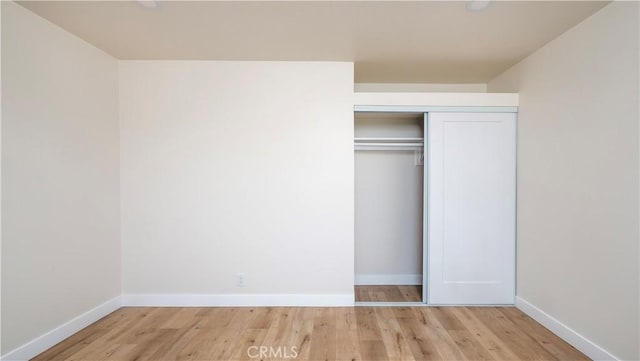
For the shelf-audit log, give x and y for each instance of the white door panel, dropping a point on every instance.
(471, 208)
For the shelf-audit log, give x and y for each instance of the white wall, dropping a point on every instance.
(60, 200)
(388, 217)
(237, 167)
(578, 178)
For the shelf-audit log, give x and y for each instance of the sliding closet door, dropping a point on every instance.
(471, 208)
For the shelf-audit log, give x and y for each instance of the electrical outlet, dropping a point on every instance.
(240, 280)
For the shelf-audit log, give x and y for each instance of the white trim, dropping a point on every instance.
(239, 300)
(575, 339)
(430, 109)
(419, 88)
(435, 99)
(425, 209)
(386, 279)
(42, 343)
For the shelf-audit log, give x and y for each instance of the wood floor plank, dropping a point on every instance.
(483, 335)
(470, 347)
(373, 350)
(368, 329)
(211, 327)
(411, 293)
(113, 352)
(447, 318)
(396, 345)
(198, 346)
(184, 317)
(393, 292)
(281, 325)
(225, 345)
(323, 338)
(163, 341)
(436, 332)
(301, 332)
(316, 334)
(251, 337)
(404, 312)
(146, 320)
(420, 340)
(347, 348)
(180, 340)
(518, 342)
(388, 293)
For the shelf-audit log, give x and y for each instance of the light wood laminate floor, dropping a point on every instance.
(360, 333)
(388, 293)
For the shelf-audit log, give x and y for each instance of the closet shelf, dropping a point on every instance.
(389, 145)
(388, 140)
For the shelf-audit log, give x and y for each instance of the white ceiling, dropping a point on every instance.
(390, 41)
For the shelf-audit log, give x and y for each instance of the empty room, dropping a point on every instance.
(320, 180)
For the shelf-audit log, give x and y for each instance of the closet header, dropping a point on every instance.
(441, 102)
(428, 109)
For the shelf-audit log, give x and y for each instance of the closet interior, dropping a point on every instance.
(389, 184)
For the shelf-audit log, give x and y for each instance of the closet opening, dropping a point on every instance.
(389, 188)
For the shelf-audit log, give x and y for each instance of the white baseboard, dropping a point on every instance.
(58, 334)
(387, 279)
(575, 339)
(239, 300)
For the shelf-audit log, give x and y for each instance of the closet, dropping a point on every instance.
(435, 202)
(389, 173)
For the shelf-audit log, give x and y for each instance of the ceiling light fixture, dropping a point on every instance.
(149, 4)
(478, 5)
